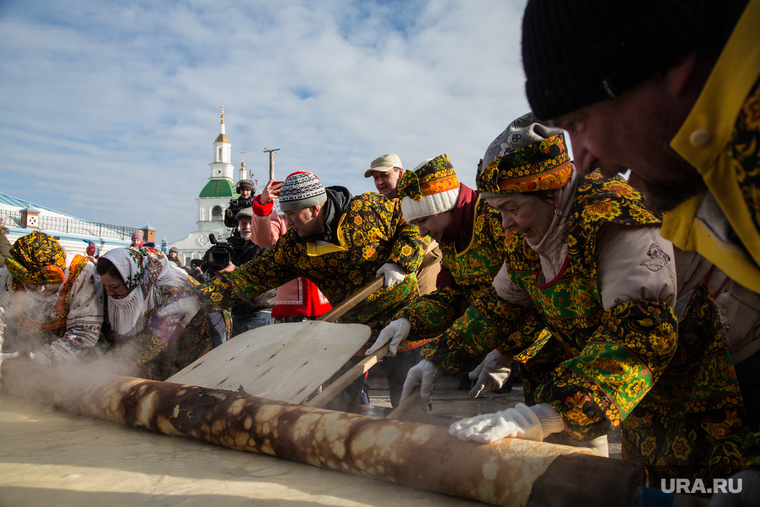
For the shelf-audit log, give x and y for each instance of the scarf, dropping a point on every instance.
(143, 271)
(37, 259)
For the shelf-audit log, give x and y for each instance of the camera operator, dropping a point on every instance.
(255, 312)
(194, 270)
(245, 189)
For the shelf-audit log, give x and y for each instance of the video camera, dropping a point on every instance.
(219, 256)
(234, 208)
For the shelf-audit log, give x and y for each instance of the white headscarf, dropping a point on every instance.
(145, 269)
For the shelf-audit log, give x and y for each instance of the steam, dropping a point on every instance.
(94, 364)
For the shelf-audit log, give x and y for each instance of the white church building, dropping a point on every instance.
(212, 201)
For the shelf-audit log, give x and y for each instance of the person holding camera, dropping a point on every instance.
(255, 312)
(245, 189)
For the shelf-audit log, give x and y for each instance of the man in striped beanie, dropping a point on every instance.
(341, 243)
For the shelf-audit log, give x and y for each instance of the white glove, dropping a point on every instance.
(423, 374)
(529, 423)
(393, 273)
(398, 330)
(492, 373)
(186, 307)
(41, 357)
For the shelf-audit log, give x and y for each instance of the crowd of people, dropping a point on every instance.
(631, 304)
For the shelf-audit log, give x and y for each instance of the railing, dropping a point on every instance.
(11, 218)
(68, 225)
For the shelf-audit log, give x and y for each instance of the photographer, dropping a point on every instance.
(255, 312)
(245, 189)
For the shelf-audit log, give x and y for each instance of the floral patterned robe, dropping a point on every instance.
(371, 232)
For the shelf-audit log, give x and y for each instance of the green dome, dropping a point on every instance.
(219, 188)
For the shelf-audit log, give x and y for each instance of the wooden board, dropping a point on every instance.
(284, 362)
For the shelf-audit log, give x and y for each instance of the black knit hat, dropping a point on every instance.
(244, 185)
(576, 53)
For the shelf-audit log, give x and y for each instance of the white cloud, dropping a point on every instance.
(109, 111)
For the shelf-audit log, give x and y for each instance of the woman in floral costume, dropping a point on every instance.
(473, 245)
(139, 282)
(588, 260)
(53, 304)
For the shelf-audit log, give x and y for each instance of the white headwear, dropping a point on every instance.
(145, 269)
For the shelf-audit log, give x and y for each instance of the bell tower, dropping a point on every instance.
(222, 166)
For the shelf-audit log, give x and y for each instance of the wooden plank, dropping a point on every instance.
(353, 300)
(284, 362)
(334, 389)
(410, 401)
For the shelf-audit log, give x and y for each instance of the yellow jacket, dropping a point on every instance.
(708, 141)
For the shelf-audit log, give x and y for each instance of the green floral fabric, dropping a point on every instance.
(473, 271)
(670, 382)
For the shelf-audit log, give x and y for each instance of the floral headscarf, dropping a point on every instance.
(527, 157)
(37, 259)
(143, 268)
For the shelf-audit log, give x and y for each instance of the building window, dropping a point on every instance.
(216, 213)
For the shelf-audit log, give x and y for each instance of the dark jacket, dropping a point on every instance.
(241, 204)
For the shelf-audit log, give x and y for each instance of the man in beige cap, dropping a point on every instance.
(386, 171)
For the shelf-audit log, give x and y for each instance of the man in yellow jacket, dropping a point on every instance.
(669, 89)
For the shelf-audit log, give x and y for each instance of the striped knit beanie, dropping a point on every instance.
(301, 190)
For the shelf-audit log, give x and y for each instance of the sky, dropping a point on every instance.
(109, 110)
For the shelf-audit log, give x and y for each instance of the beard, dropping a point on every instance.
(666, 196)
(679, 182)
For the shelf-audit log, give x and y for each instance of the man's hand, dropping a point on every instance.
(395, 332)
(529, 423)
(230, 267)
(228, 212)
(492, 373)
(186, 307)
(271, 191)
(423, 374)
(393, 274)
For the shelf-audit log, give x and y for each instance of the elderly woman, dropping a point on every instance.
(52, 303)
(139, 282)
(587, 260)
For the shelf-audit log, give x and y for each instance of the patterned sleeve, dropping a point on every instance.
(154, 339)
(268, 271)
(434, 313)
(595, 390)
(489, 323)
(408, 246)
(85, 318)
